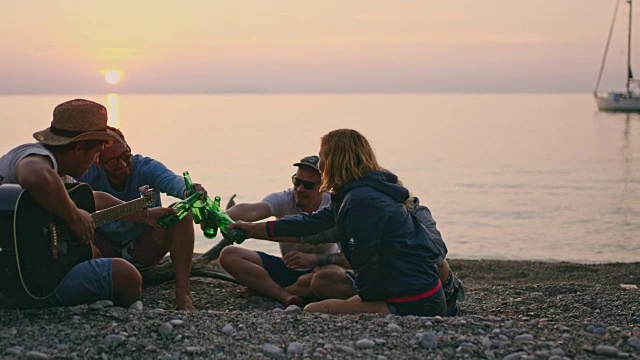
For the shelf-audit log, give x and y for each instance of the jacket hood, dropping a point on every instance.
(383, 181)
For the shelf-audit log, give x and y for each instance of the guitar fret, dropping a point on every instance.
(104, 216)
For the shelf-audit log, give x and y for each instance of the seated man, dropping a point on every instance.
(75, 139)
(285, 279)
(120, 173)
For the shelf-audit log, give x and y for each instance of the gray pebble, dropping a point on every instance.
(394, 327)
(515, 356)
(523, 338)
(634, 341)
(114, 340)
(345, 349)
(193, 349)
(36, 355)
(228, 329)
(272, 350)
(165, 329)
(429, 341)
(295, 348)
(293, 309)
(95, 307)
(105, 303)
(14, 350)
(557, 351)
(606, 350)
(599, 330)
(176, 322)
(365, 344)
(136, 306)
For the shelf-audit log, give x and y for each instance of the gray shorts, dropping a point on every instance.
(86, 283)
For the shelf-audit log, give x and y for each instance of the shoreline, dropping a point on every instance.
(513, 310)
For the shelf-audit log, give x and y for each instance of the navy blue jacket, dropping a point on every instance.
(391, 252)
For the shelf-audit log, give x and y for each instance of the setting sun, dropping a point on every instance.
(112, 76)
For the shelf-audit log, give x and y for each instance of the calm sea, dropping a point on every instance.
(540, 177)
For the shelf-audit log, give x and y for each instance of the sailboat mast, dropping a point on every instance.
(629, 49)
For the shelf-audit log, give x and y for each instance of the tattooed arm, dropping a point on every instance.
(333, 259)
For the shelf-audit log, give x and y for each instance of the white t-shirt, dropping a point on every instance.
(282, 204)
(10, 160)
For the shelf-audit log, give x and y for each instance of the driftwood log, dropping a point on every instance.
(205, 265)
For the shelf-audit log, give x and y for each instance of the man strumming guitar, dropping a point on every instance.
(66, 149)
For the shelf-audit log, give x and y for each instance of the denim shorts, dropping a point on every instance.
(85, 283)
(279, 272)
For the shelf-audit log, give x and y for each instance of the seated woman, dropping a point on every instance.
(392, 254)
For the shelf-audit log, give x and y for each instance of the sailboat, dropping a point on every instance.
(622, 100)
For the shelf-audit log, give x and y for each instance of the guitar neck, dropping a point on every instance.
(104, 216)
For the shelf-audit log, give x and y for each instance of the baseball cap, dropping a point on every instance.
(310, 161)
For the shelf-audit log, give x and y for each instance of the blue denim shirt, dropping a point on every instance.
(144, 171)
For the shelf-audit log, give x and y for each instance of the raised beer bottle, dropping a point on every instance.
(197, 209)
(220, 219)
(182, 209)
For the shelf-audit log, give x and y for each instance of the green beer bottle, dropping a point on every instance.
(182, 209)
(197, 209)
(211, 224)
(219, 219)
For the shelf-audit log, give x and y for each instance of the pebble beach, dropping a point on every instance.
(513, 310)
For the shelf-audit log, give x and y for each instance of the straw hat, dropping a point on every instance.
(76, 120)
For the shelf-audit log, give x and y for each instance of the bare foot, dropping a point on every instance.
(294, 300)
(185, 303)
(246, 292)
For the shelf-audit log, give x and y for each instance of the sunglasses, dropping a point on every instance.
(125, 156)
(308, 185)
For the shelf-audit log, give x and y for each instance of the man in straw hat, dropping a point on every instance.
(66, 149)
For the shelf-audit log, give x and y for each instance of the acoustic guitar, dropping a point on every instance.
(37, 248)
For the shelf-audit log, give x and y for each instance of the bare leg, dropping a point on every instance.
(331, 282)
(126, 282)
(354, 305)
(246, 267)
(181, 253)
(302, 286)
(443, 271)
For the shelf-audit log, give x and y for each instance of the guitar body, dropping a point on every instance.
(37, 248)
(9, 278)
(44, 247)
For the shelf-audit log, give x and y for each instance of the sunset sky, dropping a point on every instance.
(288, 46)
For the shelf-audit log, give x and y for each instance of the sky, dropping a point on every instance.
(293, 46)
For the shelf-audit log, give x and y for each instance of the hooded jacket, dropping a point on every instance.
(391, 252)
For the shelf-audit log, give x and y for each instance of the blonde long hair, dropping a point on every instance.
(347, 156)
